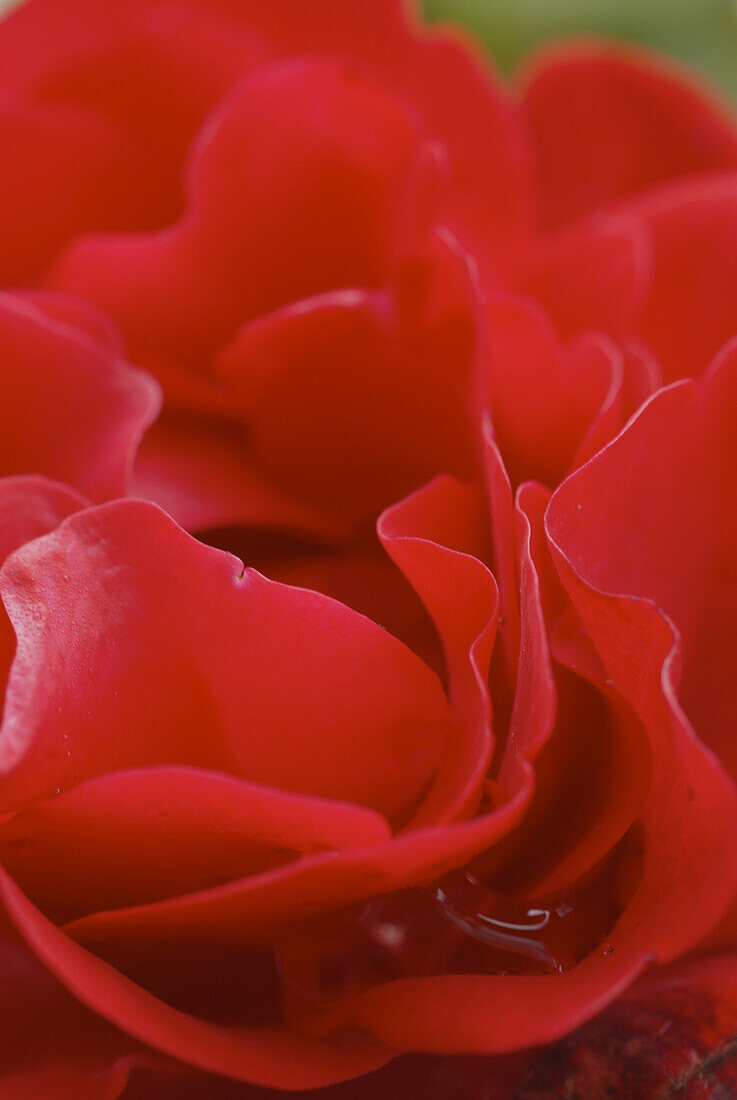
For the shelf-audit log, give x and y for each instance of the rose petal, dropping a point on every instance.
(52, 1045)
(666, 485)
(489, 199)
(690, 808)
(472, 1013)
(197, 470)
(279, 686)
(71, 409)
(609, 120)
(123, 64)
(258, 907)
(592, 275)
(273, 1057)
(592, 756)
(105, 102)
(640, 377)
(89, 164)
(672, 1034)
(360, 575)
(535, 700)
(689, 311)
(673, 1030)
(504, 551)
(301, 170)
(543, 398)
(355, 398)
(145, 834)
(437, 539)
(29, 507)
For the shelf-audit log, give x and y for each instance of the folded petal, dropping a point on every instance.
(295, 187)
(261, 906)
(437, 538)
(664, 492)
(679, 844)
(544, 398)
(591, 754)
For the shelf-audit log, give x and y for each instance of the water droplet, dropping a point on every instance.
(564, 909)
(517, 936)
(607, 948)
(57, 790)
(66, 736)
(579, 507)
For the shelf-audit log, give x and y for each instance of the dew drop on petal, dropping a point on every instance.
(491, 922)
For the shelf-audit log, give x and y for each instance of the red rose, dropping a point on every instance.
(392, 308)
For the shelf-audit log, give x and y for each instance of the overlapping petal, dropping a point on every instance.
(476, 1011)
(143, 77)
(245, 676)
(610, 120)
(294, 189)
(51, 1045)
(72, 409)
(553, 406)
(242, 823)
(661, 493)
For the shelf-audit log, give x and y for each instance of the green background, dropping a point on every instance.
(701, 32)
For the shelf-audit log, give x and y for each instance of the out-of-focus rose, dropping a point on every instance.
(305, 221)
(401, 318)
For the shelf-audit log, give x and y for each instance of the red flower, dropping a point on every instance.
(243, 829)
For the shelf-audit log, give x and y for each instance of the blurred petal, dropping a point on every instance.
(609, 120)
(72, 410)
